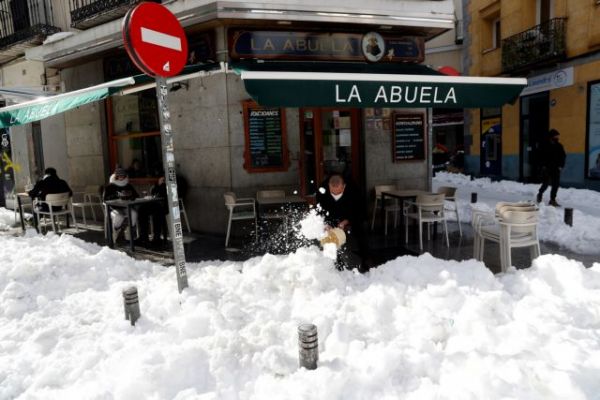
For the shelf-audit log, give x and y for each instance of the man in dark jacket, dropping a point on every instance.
(340, 206)
(158, 211)
(552, 159)
(50, 184)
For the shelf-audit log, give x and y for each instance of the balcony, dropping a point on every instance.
(540, 45)
(88, 13)
(24, 24)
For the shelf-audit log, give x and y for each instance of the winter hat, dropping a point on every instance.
(120, 172)
(553, 133)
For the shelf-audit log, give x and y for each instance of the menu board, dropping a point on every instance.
(408, 137)
(266, 147)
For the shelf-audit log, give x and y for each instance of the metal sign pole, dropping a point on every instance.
(174, 217)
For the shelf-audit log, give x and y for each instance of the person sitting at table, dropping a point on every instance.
(49, 184)
(120, 188)
(340, 206)
(158, 212)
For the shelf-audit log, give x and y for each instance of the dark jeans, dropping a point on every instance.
(550, 176)
(157, 212)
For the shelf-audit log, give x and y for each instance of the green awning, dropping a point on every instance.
(35, 110)
(371, 85)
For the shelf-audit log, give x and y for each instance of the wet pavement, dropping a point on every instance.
(381, 248)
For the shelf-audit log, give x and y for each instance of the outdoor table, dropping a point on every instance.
(124, 204)
(280, 204)
(402, 195)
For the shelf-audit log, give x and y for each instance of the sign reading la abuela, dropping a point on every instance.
(396, 94)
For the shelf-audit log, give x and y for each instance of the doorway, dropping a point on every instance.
(329, 143)
(535, 113)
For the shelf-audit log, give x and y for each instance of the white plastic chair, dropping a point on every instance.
(450, 204)
(518, 229)
(62, 200)
(428, 208)
(239, 209)
(490, 226)
(90, 198)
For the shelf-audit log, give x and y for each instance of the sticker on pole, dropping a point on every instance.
(155, 40)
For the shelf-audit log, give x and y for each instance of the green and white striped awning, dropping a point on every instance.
(326, 85)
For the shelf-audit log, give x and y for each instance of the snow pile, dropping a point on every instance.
(414, 328)
(7, 218)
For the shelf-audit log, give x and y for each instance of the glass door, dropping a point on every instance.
(329, 144)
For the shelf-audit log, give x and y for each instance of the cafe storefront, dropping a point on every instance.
(287, 109)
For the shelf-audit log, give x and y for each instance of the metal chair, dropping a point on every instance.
(183, 213)
(239, 209)
(391, 207)
(62, 200)
(428, 208)
(450, 204)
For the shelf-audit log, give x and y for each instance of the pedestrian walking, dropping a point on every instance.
(552, 159)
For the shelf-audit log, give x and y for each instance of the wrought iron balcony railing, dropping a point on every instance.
(23, 24)
(88, 13)
(542, 44)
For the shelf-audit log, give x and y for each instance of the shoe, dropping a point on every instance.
(539, 198)
(553, 203)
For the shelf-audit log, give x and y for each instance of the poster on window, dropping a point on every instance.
(593, 150)
(7, 168)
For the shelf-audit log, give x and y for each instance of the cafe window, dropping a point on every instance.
(134, 134)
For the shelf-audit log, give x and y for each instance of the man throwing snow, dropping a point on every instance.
(341, 208)
(552, 159)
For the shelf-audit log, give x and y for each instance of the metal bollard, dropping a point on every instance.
(131, 304)
(473, 197)
(569, 216)
(308, 343)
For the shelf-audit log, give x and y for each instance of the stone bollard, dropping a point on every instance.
(473, 197)
(131, 304)
(308, 343)
(569, 216)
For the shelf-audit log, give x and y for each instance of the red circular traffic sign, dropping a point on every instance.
(155, 40)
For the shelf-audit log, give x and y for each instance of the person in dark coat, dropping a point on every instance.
(120, 188)
(158, 211)
(341, 208)
(49, 184)
(552, 159)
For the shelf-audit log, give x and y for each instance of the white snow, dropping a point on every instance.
(57, 37)
(414, 328)
(7, 218)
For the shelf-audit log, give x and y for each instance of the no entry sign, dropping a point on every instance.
(154, 40)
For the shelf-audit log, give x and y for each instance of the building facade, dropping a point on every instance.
(217, 146)
(556, 45)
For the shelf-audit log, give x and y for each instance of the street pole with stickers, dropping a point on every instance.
(157, 45)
